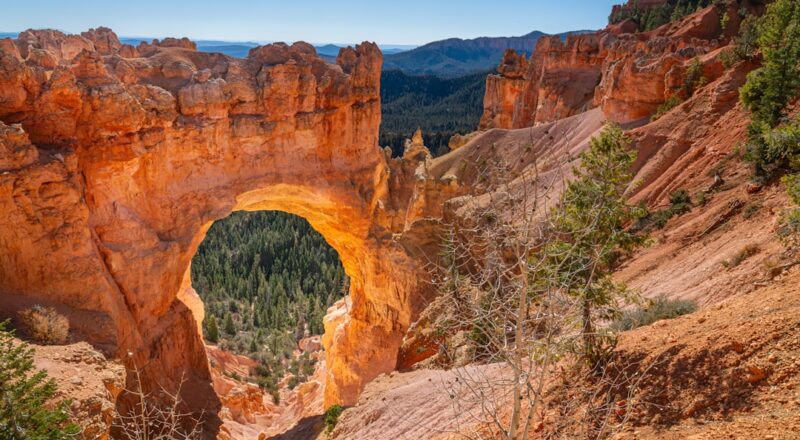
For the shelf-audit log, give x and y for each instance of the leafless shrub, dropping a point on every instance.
(45, 325)
(514, 293)
(156, 416)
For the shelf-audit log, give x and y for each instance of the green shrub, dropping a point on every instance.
(681, 198)
(789, 229)
(746, 43)
(332, 417)
(25, 394)
(695, 78)
(789, 226)
(680, 203)
(666, 107)
(724, 20)
(751, 210)
(660, 218)
(702, 198)
(729, 58)
(747, 40)
(658, 309)
(792, 183)
(293, 382)
(771, 150)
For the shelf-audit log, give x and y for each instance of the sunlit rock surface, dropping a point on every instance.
(116, 160)
(626, 74)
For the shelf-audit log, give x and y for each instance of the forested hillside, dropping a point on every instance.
(264, 274)
(441, 107)
(654, 17)
(457, 57)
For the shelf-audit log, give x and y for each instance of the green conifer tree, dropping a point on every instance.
(229, 326)
(212, 331)
(24, 394)
(591, 236)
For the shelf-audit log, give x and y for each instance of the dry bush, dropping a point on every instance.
(743, 254)
(45, 325)
(526, 289)
(156, 416)
(655, 310)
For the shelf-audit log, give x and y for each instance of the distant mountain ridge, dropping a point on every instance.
(240, 49)
(452, 57)
(457, 57)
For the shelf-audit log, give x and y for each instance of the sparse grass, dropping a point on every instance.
(666, 106)
(44, 325)
(702, 198)
(773, 266)
(658, 309)
(751, 210)
(719, 168)
(743, 254)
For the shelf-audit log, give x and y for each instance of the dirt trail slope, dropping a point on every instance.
(731, 370)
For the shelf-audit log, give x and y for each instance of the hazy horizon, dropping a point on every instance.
(346, 22)
(149, 38)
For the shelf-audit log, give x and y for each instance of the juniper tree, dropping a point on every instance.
(590, 236)
(26, 408)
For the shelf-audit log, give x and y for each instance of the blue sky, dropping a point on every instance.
(316, 21)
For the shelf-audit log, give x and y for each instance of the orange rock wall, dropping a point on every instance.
(116, 160)
(628, 75)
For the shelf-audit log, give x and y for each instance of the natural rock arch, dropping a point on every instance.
(125, 156)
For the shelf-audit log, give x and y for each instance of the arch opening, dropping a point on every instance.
(266, 280)
(116, 197)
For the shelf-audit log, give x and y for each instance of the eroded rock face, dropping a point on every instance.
(116, 161)
(627, 74)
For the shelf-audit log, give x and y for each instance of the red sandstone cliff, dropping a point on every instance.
(116, 160)
(626, 74)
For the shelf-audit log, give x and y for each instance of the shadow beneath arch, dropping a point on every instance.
(309, 427)
(173, 378)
